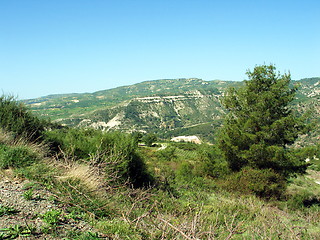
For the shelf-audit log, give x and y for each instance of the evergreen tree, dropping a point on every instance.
(260, 124)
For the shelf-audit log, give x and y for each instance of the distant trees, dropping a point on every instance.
(149, 139)
(260, 125)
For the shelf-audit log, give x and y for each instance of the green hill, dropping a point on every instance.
(167, 107)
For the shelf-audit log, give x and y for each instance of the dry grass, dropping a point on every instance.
(85, 174)
(5, 137)
(40, 149)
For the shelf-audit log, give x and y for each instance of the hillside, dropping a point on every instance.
(73, 183)
(167, 107)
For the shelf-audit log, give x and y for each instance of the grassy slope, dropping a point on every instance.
(183, 206)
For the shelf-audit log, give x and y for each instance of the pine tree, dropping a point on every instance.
(260, 125)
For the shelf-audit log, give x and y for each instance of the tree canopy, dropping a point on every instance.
(260, 125)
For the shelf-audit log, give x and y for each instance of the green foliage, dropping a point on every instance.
(149, 139)
(302, 200)
(15, 231)
(137, 136)
(167, 154)
(16, 156)
(16, 118)
(187, 146)
(264, 183)
(5, 210)
(185, 173)
(260, 124)
(185, 202)
(39, 171)
(85, 236)
(308, 152)
(211, 162)
(114, 149)
(28, 194)
(52, 217)
(119, 229)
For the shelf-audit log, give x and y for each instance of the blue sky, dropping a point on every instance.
(66, 46)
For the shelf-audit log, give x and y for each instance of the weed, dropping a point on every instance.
(83, 236)
(4, 210)
(16, 231)
(75, 215)
(52, 217)
(28, 195)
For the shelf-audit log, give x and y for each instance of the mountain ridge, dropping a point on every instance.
(166, 106)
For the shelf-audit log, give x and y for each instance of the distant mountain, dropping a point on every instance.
(167, 107)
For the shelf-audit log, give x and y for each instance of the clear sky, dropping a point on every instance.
(67, 46)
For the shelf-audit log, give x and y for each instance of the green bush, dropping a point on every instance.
(185, 172)
(149, 139)
(16, 118)
(16, 156)
(211, 162)
(264, 183)
(302, 199)
(167, 154)
(117, 150)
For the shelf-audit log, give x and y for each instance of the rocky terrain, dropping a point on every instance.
(29, 209)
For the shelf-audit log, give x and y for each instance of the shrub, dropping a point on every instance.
(16, 156)
(211, 164)
(167, 154)
(16, 118)
(301, 200)
(185, 172)
(149, 139)
(117, 150)
(264, 183)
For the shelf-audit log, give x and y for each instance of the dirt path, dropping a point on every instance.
(163, 146)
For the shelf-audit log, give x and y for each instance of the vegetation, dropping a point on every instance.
(197, 112)
(16, 118)
(149, 139)
(161, 191)
(115, 150)
(5, 210)
(260, 125)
